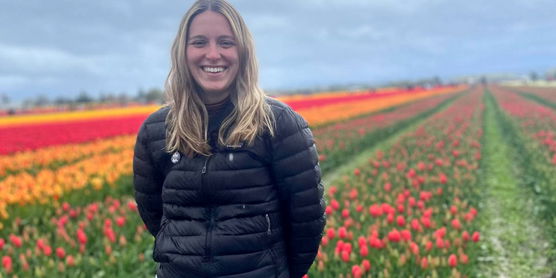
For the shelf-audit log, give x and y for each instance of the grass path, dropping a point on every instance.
(515, 243)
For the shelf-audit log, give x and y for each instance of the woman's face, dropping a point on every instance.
(212, 55)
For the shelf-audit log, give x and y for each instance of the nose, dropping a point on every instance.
(213, 52)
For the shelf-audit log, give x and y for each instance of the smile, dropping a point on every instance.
(214, 69)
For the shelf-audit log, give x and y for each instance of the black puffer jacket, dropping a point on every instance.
(249, 211)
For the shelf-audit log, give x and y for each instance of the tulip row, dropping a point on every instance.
(338, 142)
(318, 116)
(93, 172)
(75, 116)
(538, 93)
(535, 119)
(532, 128)
(410, 211)
(63, 154)
(31, 137)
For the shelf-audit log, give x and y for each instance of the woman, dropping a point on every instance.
(226, 179)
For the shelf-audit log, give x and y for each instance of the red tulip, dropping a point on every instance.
(335, 205)
(428, 246)
(375, 210)
(394, 236)
(366, 265)
(356, 271)
(362, 241)
(342, 232)
(414, 248)
(424, 263)
(7, 263)
(415, 225)
(453, 260)
(47, 250)
(364, 251)
(345, 213)
(120, 221)
(476, 236)
(400, 220)
(16, 241)
(387, 187)
(456, 224)
(324, 241)
(345, 256)
(60, 252)
(406, 235)
(465, 236)
(81, 236)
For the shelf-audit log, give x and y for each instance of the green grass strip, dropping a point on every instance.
(516, 244)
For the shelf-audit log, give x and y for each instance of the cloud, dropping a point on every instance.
(65, 46)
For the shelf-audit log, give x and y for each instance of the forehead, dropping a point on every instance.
(210, 23)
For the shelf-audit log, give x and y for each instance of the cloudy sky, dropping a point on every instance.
(61, 47)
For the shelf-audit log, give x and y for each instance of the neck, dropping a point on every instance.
(217, 105)
(215, 98)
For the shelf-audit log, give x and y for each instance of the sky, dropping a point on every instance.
(62, 47)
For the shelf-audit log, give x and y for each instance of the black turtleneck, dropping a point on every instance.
(217, 112)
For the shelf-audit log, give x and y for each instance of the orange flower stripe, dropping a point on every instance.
(316, 116)
(24, 188)
(63, 153)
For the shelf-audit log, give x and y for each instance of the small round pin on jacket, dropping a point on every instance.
(176, 157)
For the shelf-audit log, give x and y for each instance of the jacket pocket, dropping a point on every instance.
(156, 255)
(270, 245)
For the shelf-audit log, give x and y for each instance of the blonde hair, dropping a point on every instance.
(187, 119)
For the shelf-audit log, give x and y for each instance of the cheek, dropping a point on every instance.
(191, 56)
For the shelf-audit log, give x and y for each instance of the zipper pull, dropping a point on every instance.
(268, 231)
(204, 170)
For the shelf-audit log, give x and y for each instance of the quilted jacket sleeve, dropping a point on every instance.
(298, 178)
(147, 183)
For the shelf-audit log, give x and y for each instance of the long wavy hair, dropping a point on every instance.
(187, 119)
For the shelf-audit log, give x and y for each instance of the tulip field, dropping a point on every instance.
(453, 181)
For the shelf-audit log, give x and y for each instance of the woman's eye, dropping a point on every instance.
(198, 43)
(227, 44)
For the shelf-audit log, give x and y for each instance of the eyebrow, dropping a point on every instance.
(203, 37)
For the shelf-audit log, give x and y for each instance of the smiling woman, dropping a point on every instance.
(226, 179)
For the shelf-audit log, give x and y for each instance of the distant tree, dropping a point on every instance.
(484, 80)
(437, 81)
(5, 99)
(141, 96)
(123, 98)
(83, 97)
(154, 95)
(41, 101)
(59, 101)
(533, 76)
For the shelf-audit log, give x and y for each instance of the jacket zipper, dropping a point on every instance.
(208, 238)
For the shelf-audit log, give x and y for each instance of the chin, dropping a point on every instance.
(215, 88)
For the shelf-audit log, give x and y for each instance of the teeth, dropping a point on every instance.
(213, 69)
